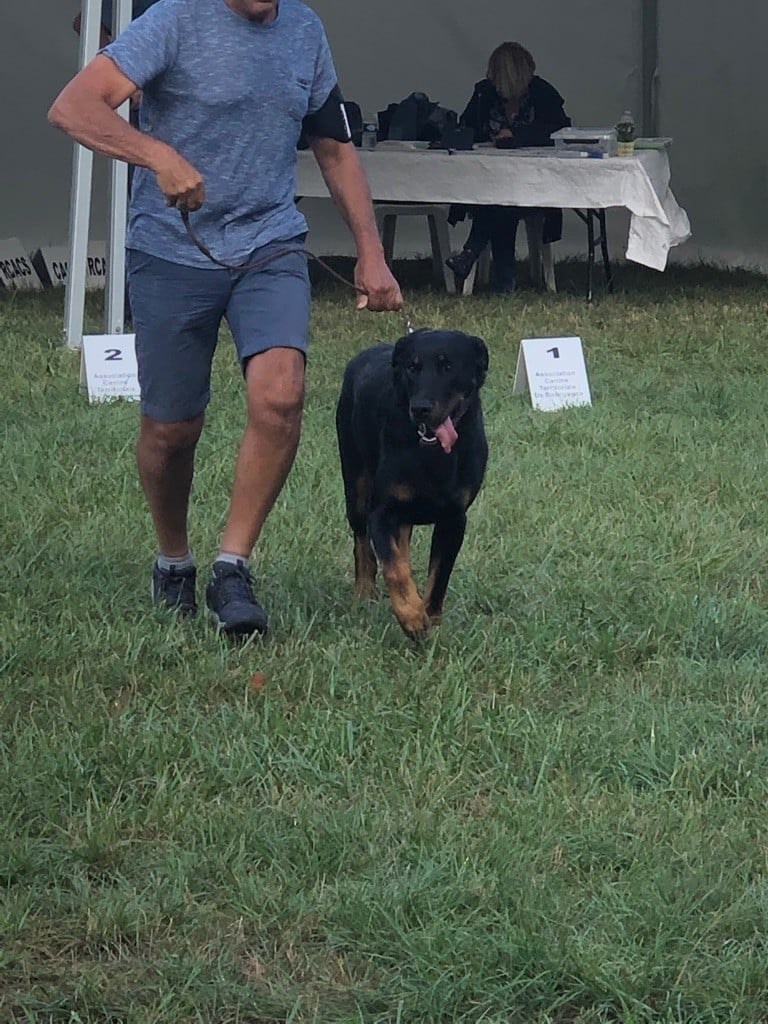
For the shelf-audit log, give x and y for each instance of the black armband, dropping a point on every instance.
(329, 121)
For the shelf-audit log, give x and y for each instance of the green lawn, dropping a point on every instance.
(554, 810)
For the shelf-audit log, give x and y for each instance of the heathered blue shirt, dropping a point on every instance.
(229, 95)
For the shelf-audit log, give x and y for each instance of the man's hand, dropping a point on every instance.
(382, 292)
(180, 182)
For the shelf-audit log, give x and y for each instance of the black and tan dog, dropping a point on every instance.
(413, 451)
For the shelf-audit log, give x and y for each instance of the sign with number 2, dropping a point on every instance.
(110, 366)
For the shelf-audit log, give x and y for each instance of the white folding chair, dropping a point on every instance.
(539, 259)
(437, 220)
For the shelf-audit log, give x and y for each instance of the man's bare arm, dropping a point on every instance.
(348, 186)
(86, 110)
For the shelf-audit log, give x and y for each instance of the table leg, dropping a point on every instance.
(604, 249)
(590, 252)
(589, 217)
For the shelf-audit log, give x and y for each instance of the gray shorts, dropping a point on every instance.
(177, 311)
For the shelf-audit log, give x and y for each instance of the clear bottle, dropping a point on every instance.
(370, 132)
(625, 134)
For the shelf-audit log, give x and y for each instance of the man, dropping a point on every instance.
(228, 86)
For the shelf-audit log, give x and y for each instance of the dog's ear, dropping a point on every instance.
(402, 351)
(481, 359)
(401, 354)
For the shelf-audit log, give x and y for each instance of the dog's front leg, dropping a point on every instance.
(447, 538)
(392, 543)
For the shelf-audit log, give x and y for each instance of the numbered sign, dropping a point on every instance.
(16, 270)
(552, 371)
(109, 361)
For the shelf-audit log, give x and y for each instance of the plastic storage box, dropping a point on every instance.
(598, 141)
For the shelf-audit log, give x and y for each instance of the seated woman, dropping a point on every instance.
(511, 107)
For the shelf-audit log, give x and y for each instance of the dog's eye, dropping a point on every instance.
(447, 366)
(414, 366)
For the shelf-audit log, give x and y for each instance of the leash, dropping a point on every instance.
(276, 254)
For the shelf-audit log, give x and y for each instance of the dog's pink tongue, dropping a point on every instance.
(446, 435)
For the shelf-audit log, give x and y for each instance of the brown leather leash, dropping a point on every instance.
(274, 255)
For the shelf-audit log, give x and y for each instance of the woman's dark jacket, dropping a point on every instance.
(541, 113)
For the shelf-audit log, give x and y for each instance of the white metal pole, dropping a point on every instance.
(114, 303)
(650, 68)
(80, 201)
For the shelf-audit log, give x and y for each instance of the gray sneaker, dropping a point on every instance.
(175, 589)
(230, 600)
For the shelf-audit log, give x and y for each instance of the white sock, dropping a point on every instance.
(231, 558)
(179, 564)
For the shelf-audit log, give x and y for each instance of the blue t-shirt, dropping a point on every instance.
(229, 95)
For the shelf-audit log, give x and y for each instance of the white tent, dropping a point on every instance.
(691, 69)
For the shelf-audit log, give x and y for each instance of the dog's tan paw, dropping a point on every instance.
(365, 590)
(415, 624)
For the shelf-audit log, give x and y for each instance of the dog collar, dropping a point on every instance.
(424, 437)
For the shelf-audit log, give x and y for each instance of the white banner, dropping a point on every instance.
(52, 264)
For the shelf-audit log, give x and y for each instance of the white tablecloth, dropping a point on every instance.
(399, 172)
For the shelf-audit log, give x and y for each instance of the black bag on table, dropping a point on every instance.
(417, 119)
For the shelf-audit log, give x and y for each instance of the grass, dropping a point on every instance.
(553, 811)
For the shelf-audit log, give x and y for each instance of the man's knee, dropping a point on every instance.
(169, 438)
(278, 410)
(276, 390)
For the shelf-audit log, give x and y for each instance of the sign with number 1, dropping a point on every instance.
(553, 372)
(110, 366)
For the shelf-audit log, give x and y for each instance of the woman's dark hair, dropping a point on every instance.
(510, 70)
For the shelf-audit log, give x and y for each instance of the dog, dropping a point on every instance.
(413, 451)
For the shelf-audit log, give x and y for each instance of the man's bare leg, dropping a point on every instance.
(165, 455)
(275, 388)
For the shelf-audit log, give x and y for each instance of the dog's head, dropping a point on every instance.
(437, 376)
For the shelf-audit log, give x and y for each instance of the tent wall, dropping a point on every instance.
(442, 48)
(594, 58)
(38, 54)
(710, 99)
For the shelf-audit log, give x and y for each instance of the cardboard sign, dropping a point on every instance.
(109, 362)
(52, 265)
(553, 372)
(16, 270)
